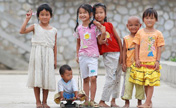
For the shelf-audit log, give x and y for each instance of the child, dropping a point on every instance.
(128, 49)
(43, 54)
(87, 51)
(110, 52)
(148, 43)
(67, 86)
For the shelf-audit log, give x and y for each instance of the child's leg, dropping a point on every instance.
(37, 97)
(127, 89)
(86, 87)
(110, 86)
(149, 95)
(45, 96)
(93, 87)
(139, 102)
(139, 93)
(116, 88)
(127, 104)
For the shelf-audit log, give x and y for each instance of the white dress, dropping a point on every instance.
(41, 64)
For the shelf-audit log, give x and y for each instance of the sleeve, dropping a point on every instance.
(76, 34)
(126, 43)
(160, 40)
(137, 38)
(75, 87)
(60, 86)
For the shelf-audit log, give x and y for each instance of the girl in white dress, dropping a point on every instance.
(43, 58)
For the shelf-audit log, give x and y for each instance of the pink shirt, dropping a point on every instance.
(88, 40)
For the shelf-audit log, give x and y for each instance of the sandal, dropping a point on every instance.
(94, 104)
(85, 104)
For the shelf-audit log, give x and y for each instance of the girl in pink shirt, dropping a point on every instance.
(87, 51)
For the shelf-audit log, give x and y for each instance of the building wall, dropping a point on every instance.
(13, 14)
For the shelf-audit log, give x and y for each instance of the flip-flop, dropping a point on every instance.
(94, 104)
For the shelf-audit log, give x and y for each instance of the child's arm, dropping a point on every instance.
(55, 52)
(101, 38)
(76, 94)
(137, 55)
(158, 57)
(77, 50)
(120, 44)
(124, 56)
(61, 95)
(23, 29)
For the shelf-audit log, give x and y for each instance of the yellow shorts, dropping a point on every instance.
(144, 75)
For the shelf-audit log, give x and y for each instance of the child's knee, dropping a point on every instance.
(86, 80)
(93, 79)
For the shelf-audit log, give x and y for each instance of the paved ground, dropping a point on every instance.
(15, 94)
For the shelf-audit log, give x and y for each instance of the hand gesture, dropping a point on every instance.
(138, 64)
(102, 28)
(29, 15)
(98, 24)
(124, 67)
(156, 65)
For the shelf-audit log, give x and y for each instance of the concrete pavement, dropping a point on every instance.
(15, 94)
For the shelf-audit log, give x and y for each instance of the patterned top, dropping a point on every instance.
(130, 46)
(88, 40)
(148, 41)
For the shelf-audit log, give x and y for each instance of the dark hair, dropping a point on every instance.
(149, 12)
(63, 68)
(88, 8)
(42, 7)
(99, 5)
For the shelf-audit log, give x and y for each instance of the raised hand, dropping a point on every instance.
(29, 14)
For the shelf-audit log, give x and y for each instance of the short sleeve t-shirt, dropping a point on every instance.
(130, 46)
(148, 41)
(88, 40)
(68, 87)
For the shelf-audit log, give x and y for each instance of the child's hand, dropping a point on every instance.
(156, 65)
(121, 59)
(77, 60)
(55, 65)
(124, 67)
(138, 64)
(98, 24)
(102, 29)
(29, 15)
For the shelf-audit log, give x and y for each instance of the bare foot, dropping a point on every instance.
(113, 104)
(45, 105)
(103, 104)
(39, 105)
(144, 106)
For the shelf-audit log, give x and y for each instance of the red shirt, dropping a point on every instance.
(112, 45)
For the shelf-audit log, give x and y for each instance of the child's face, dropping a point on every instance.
(83, 15)
(44, 16)
(100, 14)
(149, 21)
(133, 25)
(67, 75)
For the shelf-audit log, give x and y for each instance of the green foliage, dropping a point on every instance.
(173, 59)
